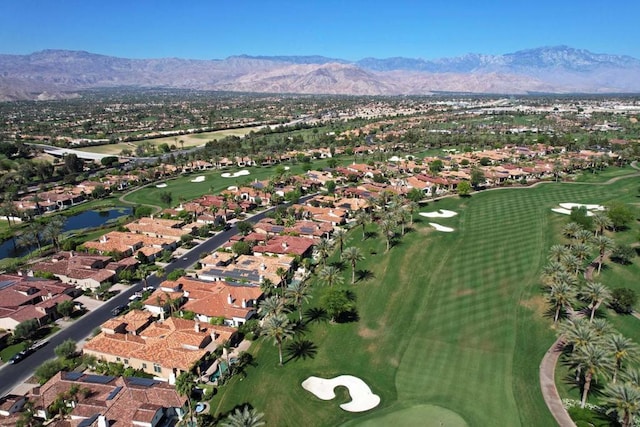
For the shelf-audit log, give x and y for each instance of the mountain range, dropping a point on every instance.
(52, 74)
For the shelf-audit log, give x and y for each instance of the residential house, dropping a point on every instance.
(81, 270)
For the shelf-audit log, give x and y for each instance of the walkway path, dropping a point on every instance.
(123, 200)
(548, 385)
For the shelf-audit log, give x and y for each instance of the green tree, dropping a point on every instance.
(352, 255)
(26, 329)
(271, 306)
(336, 302)
(245, 417)
(184, 387)
(244, 227)
(361, 220)
(323, 248)
(387, 226)
(65, 308)
(279, 329)
(477, 178)
(619, 214)
(166, 197)
(66, 350)
(603, 243)
(242, 248)
(601, 222)
(340, 237)
(623, 300)
(415, 195)
(464, 188)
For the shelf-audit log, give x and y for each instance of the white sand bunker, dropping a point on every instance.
(198, 179)
(287, 168)
(579, 205)
(362, 398)
(232, 188)
(565, 208)
(163, 185)
(441, 227)
(235, 175)
(442, 213)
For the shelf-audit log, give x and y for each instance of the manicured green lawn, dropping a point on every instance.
(456, 320)
(606, 174)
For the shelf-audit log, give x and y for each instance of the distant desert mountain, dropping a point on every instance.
(52, 74)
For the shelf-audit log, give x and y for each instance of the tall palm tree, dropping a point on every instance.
(624, 400)
(323, 248)
(557, 253)
(623, 349)
(51, 231)
(184, 387)
(361, 220)
(572, 263)
(552, 272)
(271, 306)
(570, 231)
(340, 237)
(584, 237)
(561, 296)
(387, 226)
(595, 294)
(594, 361)
(266, 286)
(582, 251)
(412, 207)
(282, 273)
(330, 276)
(402, 216)
(601, 221)
(279, 328)
(352, 255)
(577, 334)
(297, 294)
(601, 327)
(245, 417)
(603, 243)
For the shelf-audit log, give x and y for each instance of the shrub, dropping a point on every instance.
(623, 300)
(623, 254)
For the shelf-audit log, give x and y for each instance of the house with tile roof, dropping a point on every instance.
(163, 348)
(99, 400)
(250, 270)
(23, 298)
(81, 270)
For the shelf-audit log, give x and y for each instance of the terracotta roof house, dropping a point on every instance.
(81, 270)
(163, 348)
(110, 401)
(249, 269)
(235, 303)
(128, 244)
(23, 298)
(285, 245)
(308, 229)
(156, 227)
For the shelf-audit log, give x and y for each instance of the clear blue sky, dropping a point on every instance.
(349, 29)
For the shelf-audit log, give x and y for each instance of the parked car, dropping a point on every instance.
(19, 356)
(119, 309)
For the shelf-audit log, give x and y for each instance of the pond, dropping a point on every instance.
(75, 223)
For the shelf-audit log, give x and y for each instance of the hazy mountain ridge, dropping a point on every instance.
(59, 73)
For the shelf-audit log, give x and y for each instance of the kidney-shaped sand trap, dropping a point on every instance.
(442, 213)
(362, 398)
(441, 227)
(200, 178)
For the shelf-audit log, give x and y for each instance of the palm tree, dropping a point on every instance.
(387, 227)
(412, 206)
(403, 217)
(623, 349)
(572, 263)
(603, 243)
(601, 221)
(624, 400)
(266, 286)
(330, 275)
(323, 247)
(577, 334)
(595, 294)
(184, 387)
(601, 327)
(282, 273)
(557, 253)
(570, 231)
(594, 361)
(35, 230)
(340, 237)
(245, 417)
(362, 219)
(298, 293)
(552, 272)
(271, 306)
(279, 328)
(352, 255)
(584, 237)
(582, 251)
(51, 231)
(560, 296)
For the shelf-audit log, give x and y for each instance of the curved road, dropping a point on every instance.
(13, 375)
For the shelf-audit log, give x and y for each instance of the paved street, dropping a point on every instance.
(13, 375)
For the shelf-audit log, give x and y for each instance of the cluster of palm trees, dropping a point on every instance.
(38, 233)
(593, 349)
(562, 274)
(596, 352)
